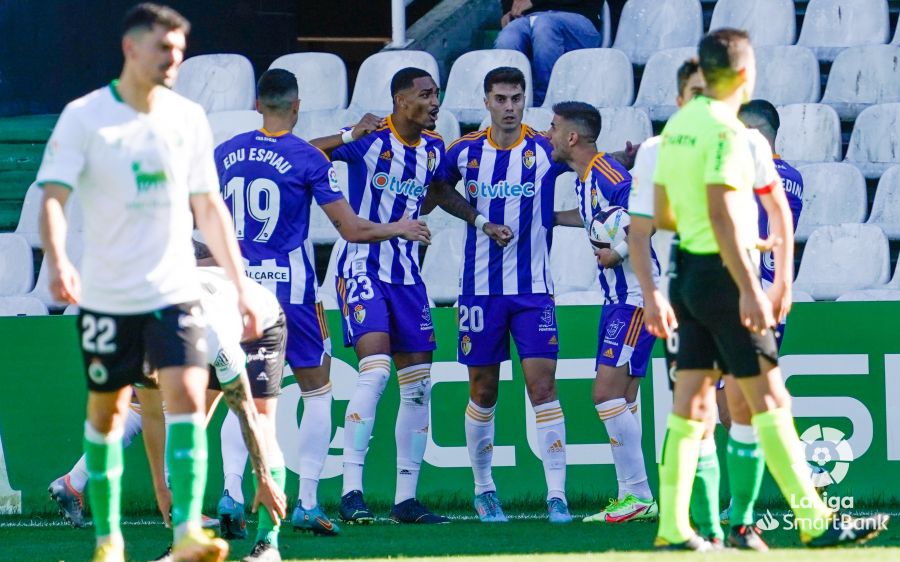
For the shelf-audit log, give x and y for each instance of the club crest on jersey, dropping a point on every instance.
(359, 313)
(472, 165)
(594, 199)
(465, 344)
(387, 155)
(528, 159)
(432, 160)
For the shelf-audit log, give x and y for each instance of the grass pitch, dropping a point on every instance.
(527, 538)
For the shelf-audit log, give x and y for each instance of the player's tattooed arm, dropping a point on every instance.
(237, 396)
(366, 125)
(570, 217)
(443, 195)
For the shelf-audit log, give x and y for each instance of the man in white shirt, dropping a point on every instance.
(141, 157)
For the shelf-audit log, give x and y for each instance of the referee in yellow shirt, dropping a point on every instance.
(704, 190)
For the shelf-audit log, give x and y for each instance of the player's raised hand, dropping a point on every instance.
(499, 233)
(607, 257)
(65, 283)
(414, 230)
(366, 125)
(270, 496)
(659, 317)
(756, 311)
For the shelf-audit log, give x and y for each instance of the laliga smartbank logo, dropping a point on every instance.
(829, 456)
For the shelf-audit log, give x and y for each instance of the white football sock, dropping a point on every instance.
(374, 371)
(625, 439)
(551, 433)
(633, 407)
(234, 456)
(313, 442)
(78, 476)
(411, 431)
(480, 442)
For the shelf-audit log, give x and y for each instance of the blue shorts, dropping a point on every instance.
(485, 323)
(623, 339)
(401, 311)
(307, 335)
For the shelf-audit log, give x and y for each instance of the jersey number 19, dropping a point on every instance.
(261, 200)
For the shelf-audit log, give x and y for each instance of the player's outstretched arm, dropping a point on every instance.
(781, 236)
(65, 284)
(658, 314)
(237, 396)
(443, 195)
(354, 228)
(570, 217)
(214, 221)
(153, 426)
(724, 205)
(366, 125)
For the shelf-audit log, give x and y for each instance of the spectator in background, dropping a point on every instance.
(546, 29)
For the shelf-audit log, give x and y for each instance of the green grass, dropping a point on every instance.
(522, 539)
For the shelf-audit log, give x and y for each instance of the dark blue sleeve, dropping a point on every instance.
(322, 179)
(617, 194)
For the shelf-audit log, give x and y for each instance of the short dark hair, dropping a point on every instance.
(277, 89)
(764, 110)
(584, 115)
(722, 52)
(147, 14)
(503, 75)
(405, 77)
(687, 69)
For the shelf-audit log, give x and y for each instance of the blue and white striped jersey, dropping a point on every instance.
(387, 178)
(512, 186)
(606, 183)
(268, 182)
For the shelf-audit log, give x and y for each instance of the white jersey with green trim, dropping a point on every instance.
(134, 173)
(224, 325)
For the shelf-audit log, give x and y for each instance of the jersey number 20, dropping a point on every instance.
(251, 200)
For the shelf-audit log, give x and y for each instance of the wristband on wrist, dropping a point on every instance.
(347, 136)
(480, 221)
(622, 250)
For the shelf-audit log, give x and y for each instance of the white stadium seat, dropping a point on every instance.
(314, 124)
(564, 196)
(447, 126)
(41, 291)
(787, 74)
(870, 295)
(538, 118)
(648, 26)
(16, 267)
(838, 259)
(321, 77)
(830, 26)
(833, 193)
(861, 77)
(809, 132)
(29, 216)
(621, 124)
(464, 95)
(875, 142)
(886, 208)
(801, 296)
(218, 82)
(227, 124)
(600, 77)
(572, 262)
(592, 298)
(441, 266)
(659, 83)
(22, 306)
(769, 22)
(71, 310)
(372, 91)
